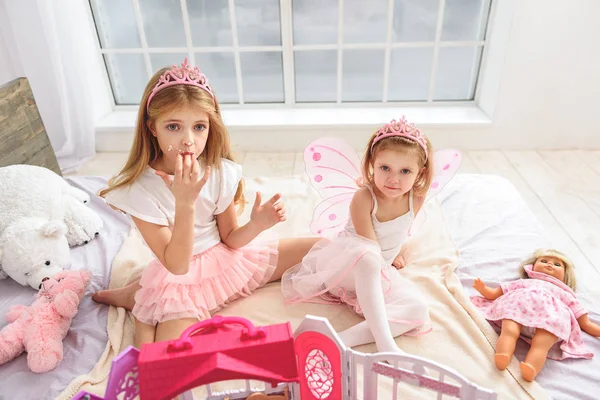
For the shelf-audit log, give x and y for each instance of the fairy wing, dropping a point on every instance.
(333, 169)
(445, 165)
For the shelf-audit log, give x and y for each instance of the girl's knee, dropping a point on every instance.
(144, 333)
(368, 264)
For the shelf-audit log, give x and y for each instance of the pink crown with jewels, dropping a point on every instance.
(184, 75)
(403, 129)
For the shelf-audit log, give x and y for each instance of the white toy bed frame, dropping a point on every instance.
(316, 374)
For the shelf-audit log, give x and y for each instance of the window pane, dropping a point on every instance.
(163, 23)
(258, 22)
(410, 71)
(210, 23)
(312, 27)
(456, 72)
(316, 75)
(161, 60)
(315, 22)
(128, 77)
(262, 77)
(465, 19)
(415, 20)
(365, 24)
(362, 78)
(219, 68)
(116, 24)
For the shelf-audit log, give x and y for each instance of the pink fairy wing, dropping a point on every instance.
(445, 165)
(331, 215)
(333, 168)
(417, 222)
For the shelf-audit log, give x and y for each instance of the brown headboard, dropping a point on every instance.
(23, 138)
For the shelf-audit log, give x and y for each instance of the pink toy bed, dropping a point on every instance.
(310, 364)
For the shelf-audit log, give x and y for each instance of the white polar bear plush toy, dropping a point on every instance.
(41, 216)
(32, 249)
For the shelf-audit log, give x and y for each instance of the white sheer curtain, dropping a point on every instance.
(56, 49)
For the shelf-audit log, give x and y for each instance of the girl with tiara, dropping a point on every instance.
(358, 266)
(183, 191)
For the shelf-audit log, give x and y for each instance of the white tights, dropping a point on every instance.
(400, 304)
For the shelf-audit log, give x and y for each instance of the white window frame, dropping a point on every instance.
(304, 121)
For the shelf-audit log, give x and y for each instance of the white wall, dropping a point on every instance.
(57, 52)
(7, 72)
(31, 50)
(8, 65)
(549, 95)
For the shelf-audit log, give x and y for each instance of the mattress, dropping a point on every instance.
(494, 230)
(87, 338)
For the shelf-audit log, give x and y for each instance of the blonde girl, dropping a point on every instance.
(183, 191)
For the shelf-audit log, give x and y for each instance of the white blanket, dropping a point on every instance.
(461, 338)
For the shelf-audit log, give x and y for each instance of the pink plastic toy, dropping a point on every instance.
(313, 364)
(123, 382)
(215, 350)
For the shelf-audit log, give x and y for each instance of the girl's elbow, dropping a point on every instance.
(230, 243)
(176, 268)
(179, 270)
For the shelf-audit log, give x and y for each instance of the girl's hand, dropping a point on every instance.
(269, 214)
(186, 183)
(399, 262)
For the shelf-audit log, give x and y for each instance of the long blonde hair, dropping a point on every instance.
(570, 279)
(145, 149)
(399, 143)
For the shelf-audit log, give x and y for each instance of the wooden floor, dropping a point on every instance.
(562, 188)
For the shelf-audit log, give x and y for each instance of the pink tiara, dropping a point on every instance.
(184, 75)
(403, 129)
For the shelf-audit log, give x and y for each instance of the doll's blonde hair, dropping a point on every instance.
(145, 149)
(399, 143)
(570, 279)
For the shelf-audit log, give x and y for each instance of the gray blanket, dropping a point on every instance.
(494, 230)
(87, 338)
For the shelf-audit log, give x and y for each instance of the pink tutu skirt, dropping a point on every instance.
(324, 274)
(216, 276)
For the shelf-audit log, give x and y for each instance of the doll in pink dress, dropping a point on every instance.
(542, 308)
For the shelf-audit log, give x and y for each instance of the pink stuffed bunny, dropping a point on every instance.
(40, 328)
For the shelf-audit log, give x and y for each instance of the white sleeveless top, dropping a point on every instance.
(390, 234)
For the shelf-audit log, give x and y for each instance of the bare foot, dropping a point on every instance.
(501, 361)
(529, 373)
(121, 297)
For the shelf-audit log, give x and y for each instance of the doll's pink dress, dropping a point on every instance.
(542, 302)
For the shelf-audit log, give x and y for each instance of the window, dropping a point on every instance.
(299, 51)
